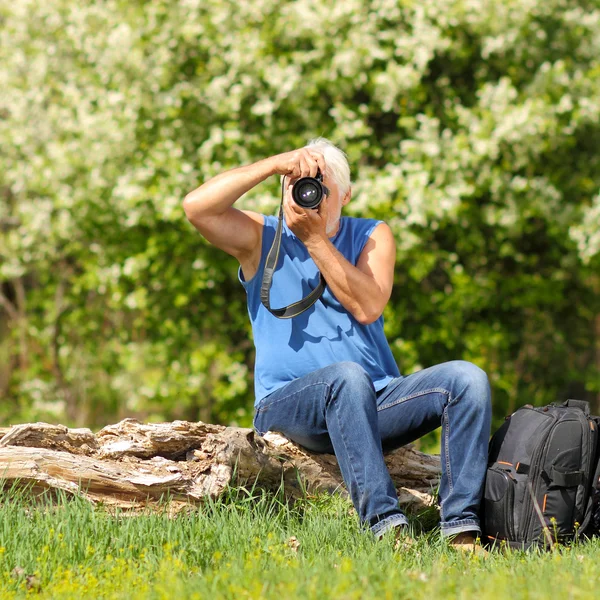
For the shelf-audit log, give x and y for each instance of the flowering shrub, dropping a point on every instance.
(471, 127)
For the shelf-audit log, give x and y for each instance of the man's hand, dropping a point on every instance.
(298, 163)
(308, 224)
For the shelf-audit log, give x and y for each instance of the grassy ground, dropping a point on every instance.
(244, 547)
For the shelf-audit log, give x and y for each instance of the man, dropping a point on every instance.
(327, 378)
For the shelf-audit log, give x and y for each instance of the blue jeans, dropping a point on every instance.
(336, 410)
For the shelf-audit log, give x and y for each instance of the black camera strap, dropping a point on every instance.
(292, 310)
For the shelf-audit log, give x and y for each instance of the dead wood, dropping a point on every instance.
(132, 465)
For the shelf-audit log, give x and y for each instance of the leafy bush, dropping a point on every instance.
(471, 128)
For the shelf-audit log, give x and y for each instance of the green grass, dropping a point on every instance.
(238, 547)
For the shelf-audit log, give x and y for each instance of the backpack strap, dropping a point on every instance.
(588, 528)
(565, 478)
(582, 530)
(556, 476)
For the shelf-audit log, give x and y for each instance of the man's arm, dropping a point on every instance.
(364, 289)
(210, 207)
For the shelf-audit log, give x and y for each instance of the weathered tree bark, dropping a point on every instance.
(133, 465)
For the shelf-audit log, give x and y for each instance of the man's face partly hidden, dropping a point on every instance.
(330, 208)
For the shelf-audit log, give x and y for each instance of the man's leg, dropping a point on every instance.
(455, 395)
(334, 409)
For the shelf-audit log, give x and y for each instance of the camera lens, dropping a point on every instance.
(307, 192)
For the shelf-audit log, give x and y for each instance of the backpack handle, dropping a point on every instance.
(581, 404)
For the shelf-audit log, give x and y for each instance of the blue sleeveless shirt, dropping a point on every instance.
(324, 334)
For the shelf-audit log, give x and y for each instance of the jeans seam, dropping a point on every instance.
(460, 523)
(447, 451)
(456, 527)
(415, 395)
(379, 529)
(273, 402)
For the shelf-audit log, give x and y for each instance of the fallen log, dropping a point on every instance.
(133, 465)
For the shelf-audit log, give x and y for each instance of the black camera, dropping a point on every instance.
(309, 191)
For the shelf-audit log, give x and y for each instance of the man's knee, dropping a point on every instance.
(472, 382)
(352, 374)
(351, 380)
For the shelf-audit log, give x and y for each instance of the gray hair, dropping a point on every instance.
(336, 162)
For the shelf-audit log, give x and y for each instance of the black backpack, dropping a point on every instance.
(543, 478)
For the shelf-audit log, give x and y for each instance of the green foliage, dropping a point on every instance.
(471, 128)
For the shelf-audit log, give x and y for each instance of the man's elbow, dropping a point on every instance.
(191, 207)
(187, 203)
(366, 317)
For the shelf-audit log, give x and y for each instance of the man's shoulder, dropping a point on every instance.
(354, 235)
(269, 220)
(361, 225)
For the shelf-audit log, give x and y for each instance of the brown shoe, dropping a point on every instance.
(469, 544)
